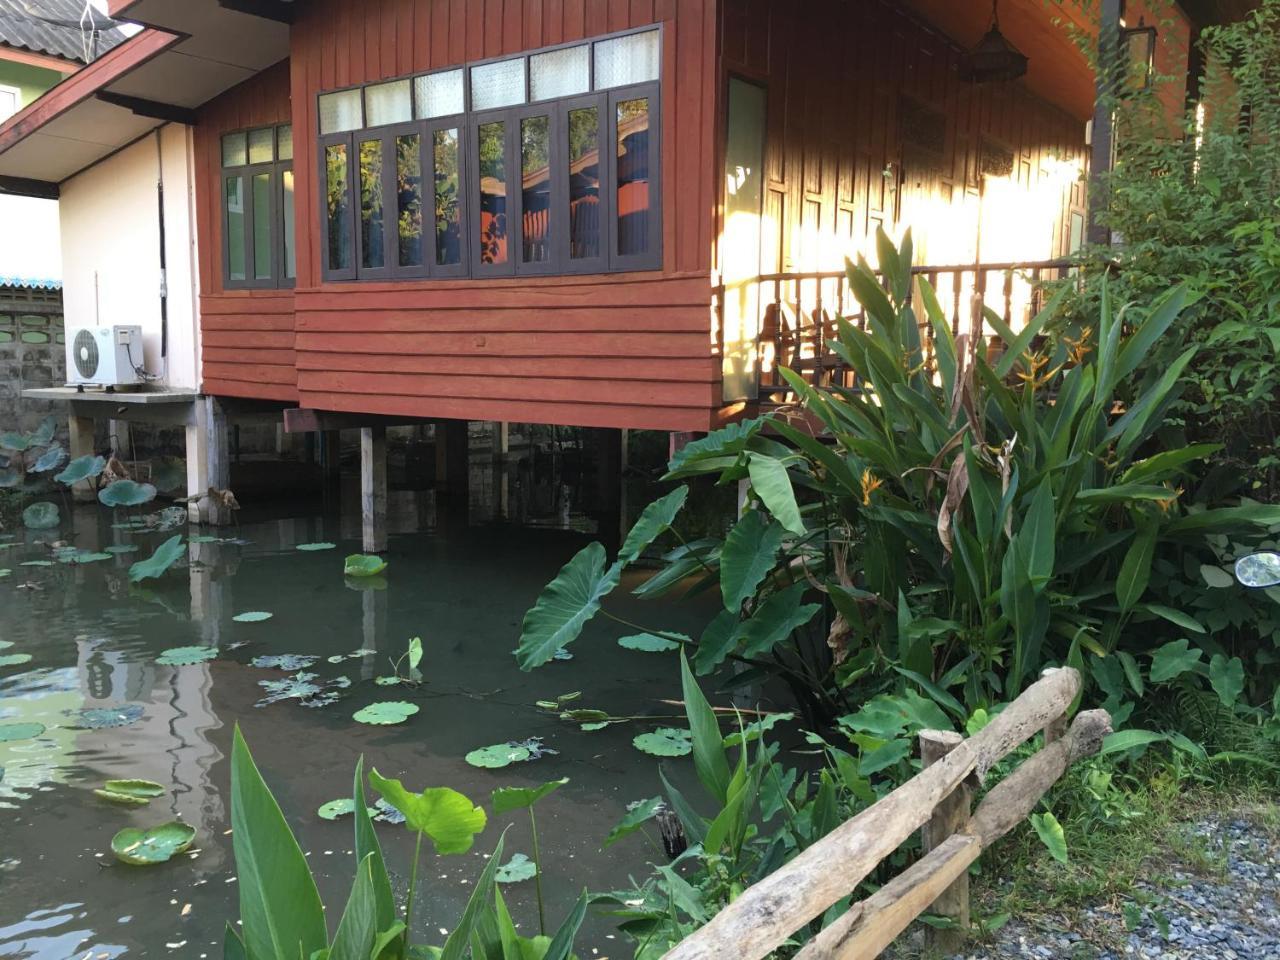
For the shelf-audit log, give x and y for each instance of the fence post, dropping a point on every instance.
(950, 816)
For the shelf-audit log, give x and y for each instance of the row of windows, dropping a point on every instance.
(258, 208)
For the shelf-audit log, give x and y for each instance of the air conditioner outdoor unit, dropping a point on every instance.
(104, 356)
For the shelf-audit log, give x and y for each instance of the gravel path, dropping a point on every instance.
(1195, 913)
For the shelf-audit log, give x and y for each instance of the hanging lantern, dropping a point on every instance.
(994, 58)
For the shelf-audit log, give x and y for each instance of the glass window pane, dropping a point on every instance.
(235, 228)
(493, 192)
(560, 73)
(262, 145)
(633, 176)
(448, 213)
(624, 60)
(234, 150)
(338, 206)
(262, 226)
(387, 103)
(286, 215)
(584, 183)
(372, 254)
(409, 199)
(497, 84)
(438, 94)
(535, 203)
(340, 111)
(284, 142)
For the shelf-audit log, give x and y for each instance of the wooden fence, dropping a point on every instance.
(770, 912)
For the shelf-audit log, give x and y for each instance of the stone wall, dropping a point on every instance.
(32, 354)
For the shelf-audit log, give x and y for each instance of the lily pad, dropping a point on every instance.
(306, 688)
(146, 847)
(106, 718)
(518, 868)
(85, 556)
(15, 659)
(15, 441)
(36, 563)
(5, 644)
(166, 555)
(123, 548)
(20, 731)
(386, 681)
(285, 661)
(81, 468)
(126, 493)
(51, 459)
(316, 547)
(41, 516)
(43, 434)
(252, 616)
(498, 755)
(9, 479)
(647, 643)
(136, 793)
(665, 742)
(363, 565)
(186, 656)
(386, 712)
(341, 808)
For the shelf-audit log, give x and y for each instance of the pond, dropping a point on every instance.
(111, 711)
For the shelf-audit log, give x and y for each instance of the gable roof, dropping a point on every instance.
(52, 27)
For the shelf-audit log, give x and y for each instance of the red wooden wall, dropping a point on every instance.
(626, 350)
(246, 335)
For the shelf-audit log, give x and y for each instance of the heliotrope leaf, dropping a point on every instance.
(20, 731)
(518, 868)
(252, 616)
(498, 755)
(363, 565)
(648, 643)
(186, 656)
(146, 847)
(665, 742)
(386, 712)
(41, 516)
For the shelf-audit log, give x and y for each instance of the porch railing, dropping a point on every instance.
(793, 317)
(781, 907)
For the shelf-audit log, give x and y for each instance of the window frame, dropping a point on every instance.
(274, 169)
(345, 139)
(557, 157)
(600, 262)
(461, 269)
(651, 258)
(478, 268)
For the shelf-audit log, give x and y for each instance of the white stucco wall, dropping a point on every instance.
(29, 248)
(111, 249)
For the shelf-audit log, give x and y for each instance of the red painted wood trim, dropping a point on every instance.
(33, 59)
(82, 85)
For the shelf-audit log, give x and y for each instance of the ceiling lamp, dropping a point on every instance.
(994, 58)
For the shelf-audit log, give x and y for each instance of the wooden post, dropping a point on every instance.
(373, 487)
(331, 449)
(951, 816)
(208, 466)
(80, 440)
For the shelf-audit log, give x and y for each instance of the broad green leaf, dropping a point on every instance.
(772, 484)
(156, 845)
(565, 606)
(280, 910)
(883, 757)
(1173, 659)
(42, 515)
(498, 755)
(730, 439)
(252, 616)
(1036, 537)
(368, 848)
(750, 551)
(363, 565)
(1137, 347)
(51, 459)
(1050, 832)
(126, 493)
(448, 817)
(165, 556)
(1216, 577)
(1227, 678)
(232, 945)
(1135, 571)
(516, 870)
(1176, 617)
(457, 942)
(1128, 739)
(708, 747)
(385, 713)
(1228, 519)
(654, 520)
(561, 947)
(647, 643)
(359, 924)
(414, 653)
(636, 817)
(775, 620)
(506, 799)
(755, 730)
(665, 742)
(186, 656)
(1131, 671)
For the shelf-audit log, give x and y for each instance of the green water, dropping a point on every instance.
(463, 590)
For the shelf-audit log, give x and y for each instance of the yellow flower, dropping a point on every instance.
(1166, 502)
(1079, 349)
(869, 486)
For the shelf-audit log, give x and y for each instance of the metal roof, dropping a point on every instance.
(53, 27)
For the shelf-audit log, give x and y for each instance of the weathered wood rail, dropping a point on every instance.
(772, 911)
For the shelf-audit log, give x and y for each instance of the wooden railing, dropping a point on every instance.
(795, 313)
(775, 909)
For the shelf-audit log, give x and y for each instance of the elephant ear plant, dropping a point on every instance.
(282, 917)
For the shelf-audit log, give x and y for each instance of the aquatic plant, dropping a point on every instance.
(386, 713)
(252, 616)
(665, 742)
(186, 656)
(285, 661)
(516, 870)
(506, 799)
(304, 688)
(413, 655)
(81, 468)
(130, 792)
(155, 845)
(126, 493)
(363, 565)
(10, 732)
(315, 547)
(41, 515)
(104, 718)
(648, 643)
(165, 556)
(14, 659)
(51, 459)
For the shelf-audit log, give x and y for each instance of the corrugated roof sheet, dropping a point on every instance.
(53, 27)
(29, 283)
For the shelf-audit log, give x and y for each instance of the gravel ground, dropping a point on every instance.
(1232, 914)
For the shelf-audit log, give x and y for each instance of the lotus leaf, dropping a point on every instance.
(103, 718)
(4, 572)
(41, 516)
(252, 616)
(166, 555)
(506, 799)
(665, 742)
(186, 656)
(448, 817)
(638, 814)
(135, 793)
(5, 644)
(123, 548)
(386, 681)
(285, 661)
(648, 643)
(303, 688)
(363, 565)
(81, 468)
(12, 440)
(315, 547)
(146, 847)
(43, 434)
(341, 808)
(51, 459)
(15, 659)
(126, 493)
(498, 755)
(123, 799)
(84, 556)
(386, 712)
(20, 731)
(36, 563)
(518, 868)
(169, 475)
(10, 479)
(205, 538)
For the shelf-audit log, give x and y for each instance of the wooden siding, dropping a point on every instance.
(869, 124)
(246, 335)
(623, 350)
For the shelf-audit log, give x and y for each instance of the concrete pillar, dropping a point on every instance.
(121, 439)
(80, 441)
(373, 487)
(208, 464)
(501, 456)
